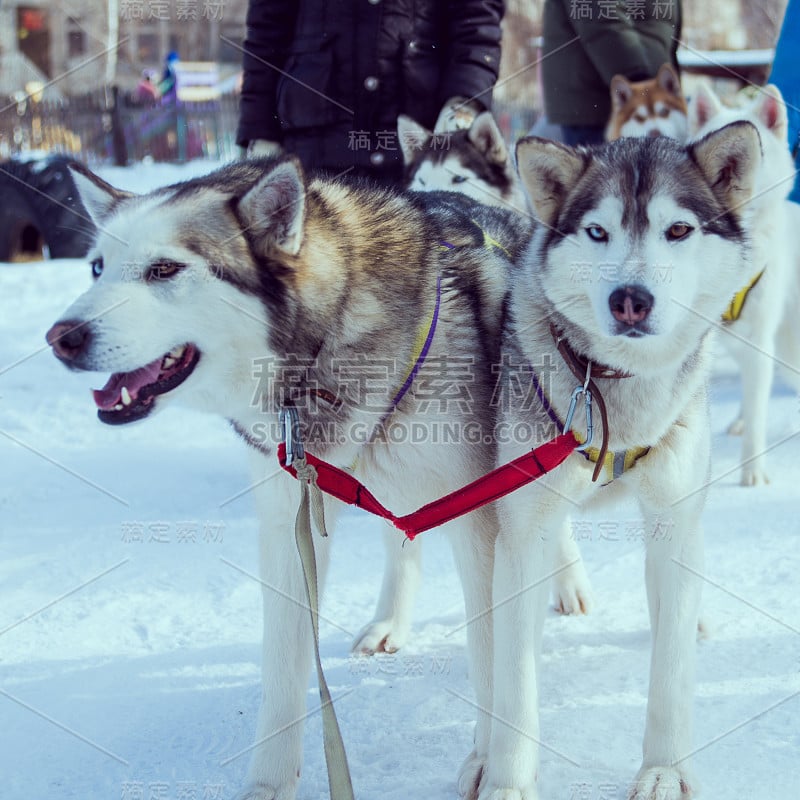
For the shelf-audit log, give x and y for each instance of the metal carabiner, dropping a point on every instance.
(290, 421)
(573, 402)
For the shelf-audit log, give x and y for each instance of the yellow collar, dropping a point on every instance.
(734, 310)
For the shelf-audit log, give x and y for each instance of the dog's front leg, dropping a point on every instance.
(276, 756)
(473, 539)
(529, 529)
(673, 569)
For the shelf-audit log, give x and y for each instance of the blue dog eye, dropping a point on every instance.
(97, 267)
(597, 234)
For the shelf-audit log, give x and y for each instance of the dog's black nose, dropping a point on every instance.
(68, 338)
(631, 304)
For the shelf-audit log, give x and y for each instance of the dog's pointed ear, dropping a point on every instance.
(413, 137)
(548, 171)
(703, 106)
(668, 79)
(486, 136)
(729, 159)
(98, 197)
(621, 91)
(274, 209)
(770, 108)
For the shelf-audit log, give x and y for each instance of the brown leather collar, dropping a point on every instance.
(579, 364)
(586, 371)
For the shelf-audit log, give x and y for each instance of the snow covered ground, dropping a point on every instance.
(130, 615)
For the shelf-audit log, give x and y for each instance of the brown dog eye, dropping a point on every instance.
(163, 270)
(679, 230)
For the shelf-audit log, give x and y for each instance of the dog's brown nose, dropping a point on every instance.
(653, 132)
(631, 304)
(68, 338)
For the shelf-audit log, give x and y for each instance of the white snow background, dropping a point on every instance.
(130, 615)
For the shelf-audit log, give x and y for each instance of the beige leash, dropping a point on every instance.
(339, 782)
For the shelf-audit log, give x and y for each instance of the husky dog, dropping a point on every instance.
(474, 162)
(641, 245)
(256, 287)
(654, 107)
(761, 318)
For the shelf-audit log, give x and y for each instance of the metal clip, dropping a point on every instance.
(573, 402)
(290, 420)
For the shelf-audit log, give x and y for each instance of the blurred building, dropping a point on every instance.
(69, 47)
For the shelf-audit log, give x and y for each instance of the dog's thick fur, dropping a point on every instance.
(328, 284)
(255, 262)
(654, 107)
(474, 162)
(643, 206)
(767, 331)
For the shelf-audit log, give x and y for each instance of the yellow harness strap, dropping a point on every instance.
(734, 310)
(488, 241)
(615, 464)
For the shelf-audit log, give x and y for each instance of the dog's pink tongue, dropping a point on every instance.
(111, 394)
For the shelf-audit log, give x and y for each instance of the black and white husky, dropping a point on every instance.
(474, 162)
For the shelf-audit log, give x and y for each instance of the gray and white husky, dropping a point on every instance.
(331, 286)
(640, 247)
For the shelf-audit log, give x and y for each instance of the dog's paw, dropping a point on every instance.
(380, 636)
(660, 783)
(753, 476)
(470, 776)
(509, 794)
(736, 428)
(572, 591)
(263, 792)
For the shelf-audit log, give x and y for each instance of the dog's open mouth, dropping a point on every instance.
(128, 396)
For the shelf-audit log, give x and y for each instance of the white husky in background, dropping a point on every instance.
(760, 323)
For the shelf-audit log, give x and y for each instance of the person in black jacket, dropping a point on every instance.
(326, 80)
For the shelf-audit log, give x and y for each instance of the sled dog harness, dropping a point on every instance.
(734, 310)
(315, 476)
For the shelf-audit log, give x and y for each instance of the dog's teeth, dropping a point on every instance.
(167, 362)
(126, 396)
(177, 352)
(118, 407)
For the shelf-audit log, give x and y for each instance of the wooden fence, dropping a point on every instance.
(107, 126)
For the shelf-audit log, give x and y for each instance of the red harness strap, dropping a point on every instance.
(492, 486)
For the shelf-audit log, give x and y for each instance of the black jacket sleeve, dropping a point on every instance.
(270, 30)
(473, 50)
